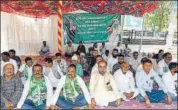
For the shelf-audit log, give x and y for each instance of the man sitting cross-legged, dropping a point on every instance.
(103, 88)
(37, 91)
(125, 82)
(145, 80)
(75, 93)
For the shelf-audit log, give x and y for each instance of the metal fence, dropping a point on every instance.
(133, 33)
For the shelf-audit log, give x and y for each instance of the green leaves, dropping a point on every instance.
(158, 20)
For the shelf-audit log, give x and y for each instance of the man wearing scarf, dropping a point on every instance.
(26, 69)
(102, 87)
(75, 93)
(37, 91)
(11, 87)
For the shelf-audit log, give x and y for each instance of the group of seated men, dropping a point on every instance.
(119, 78)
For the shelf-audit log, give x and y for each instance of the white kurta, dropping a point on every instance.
(111, 62)
(169, 81)
(135, 63)
(94, 69)
(125, 83)
(54, 81)
(162, 67)
(100, 91)
(105, 57)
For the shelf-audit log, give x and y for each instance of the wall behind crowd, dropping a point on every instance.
(25, 35)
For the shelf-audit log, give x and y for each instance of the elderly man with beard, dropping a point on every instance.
(102, 87)
(37, 91)
(125, 82)
(113, 60)
(11, 87)
(75, 93)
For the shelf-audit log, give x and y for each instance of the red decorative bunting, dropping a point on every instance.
(45, 8)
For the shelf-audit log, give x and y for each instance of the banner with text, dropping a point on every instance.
(91, 28)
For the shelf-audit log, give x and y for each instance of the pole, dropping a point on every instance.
(141, 40)
(172, 27)
(59, 27)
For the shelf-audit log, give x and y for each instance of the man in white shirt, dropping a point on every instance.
(106, 55)
(69, 49)
(37, 91)
(125, 82)
(52, 71)
(135, 61)
(163, 64)
(118, 64)
(45, 50)
(102, 48)
(60, 62)
(95, 67)
(127, 50)
(25, 70)
(119, 48)
(75, 93)
(6, 58)
(170, 80)
(113, 60)
(102, 87)
(145, 80)
(150, 56)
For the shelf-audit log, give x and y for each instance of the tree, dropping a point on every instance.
(158, 20)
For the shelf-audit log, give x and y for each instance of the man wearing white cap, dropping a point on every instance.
(6, 58)
(11, 87)
(79, 68)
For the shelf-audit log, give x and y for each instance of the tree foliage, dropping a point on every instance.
(158, 20)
